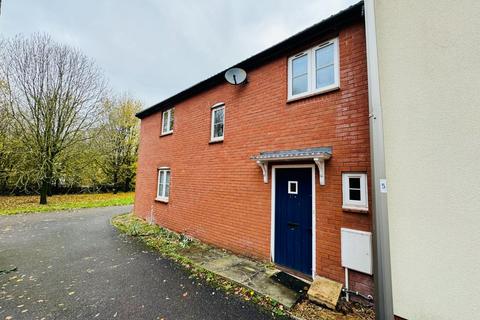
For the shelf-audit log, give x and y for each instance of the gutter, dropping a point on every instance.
(324, 28)
(381, 243)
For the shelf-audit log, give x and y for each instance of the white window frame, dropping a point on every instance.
(164, 196)
(361, 205)
(311, 71)
(166, 116)
(218, 106)
(290, 184)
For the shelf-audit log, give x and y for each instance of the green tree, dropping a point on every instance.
(118, 142)
(5, 140)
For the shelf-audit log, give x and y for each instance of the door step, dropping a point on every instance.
(292, 282)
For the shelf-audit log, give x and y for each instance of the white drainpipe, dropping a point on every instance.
(347, 295)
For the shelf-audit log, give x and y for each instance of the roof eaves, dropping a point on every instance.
(332, 23)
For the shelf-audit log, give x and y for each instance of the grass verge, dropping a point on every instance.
(177, 247)
(173, 246)
(28, 204)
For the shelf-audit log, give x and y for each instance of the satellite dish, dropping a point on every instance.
(236, 75)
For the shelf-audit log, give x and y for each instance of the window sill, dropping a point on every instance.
(161, 199)
(216, 141)
(311, 94)
(355, 209)
(166, 134)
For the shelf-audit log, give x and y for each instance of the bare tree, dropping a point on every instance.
(53, 93)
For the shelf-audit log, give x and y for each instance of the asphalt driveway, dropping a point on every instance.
(75, 265)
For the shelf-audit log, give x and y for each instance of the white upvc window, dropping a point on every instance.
(217, 130)
(167, 121)
(355, 194)
(163, 184)
(314, 71)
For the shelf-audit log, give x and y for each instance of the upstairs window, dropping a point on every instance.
(313, 71)
(167, 121)
(218, 123)
(163, 184)
(300, 74)
(355, 191)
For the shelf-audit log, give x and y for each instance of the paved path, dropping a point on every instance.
(75, 265)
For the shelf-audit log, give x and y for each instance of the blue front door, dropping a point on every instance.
(293, 218)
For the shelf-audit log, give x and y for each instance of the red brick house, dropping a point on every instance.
(275, 167)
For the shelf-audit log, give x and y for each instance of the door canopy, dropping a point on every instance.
(317, 155)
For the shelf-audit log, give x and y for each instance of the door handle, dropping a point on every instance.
(292, 225)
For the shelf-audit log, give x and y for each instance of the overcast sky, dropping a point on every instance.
(153, 49)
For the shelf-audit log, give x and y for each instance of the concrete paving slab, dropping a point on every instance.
(264, 284)
(253, 274)
(325, 291)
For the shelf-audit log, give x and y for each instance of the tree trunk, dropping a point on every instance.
(3, 187)
(44, 191)
(46, 182)
(126, 187)
(115, 183)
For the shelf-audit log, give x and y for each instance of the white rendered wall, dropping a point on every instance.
(429, 67)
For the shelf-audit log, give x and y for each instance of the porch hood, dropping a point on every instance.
(316, 154)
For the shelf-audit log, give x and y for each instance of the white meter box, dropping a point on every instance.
(357, 250)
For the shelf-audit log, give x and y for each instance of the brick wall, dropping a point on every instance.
(217, 193)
